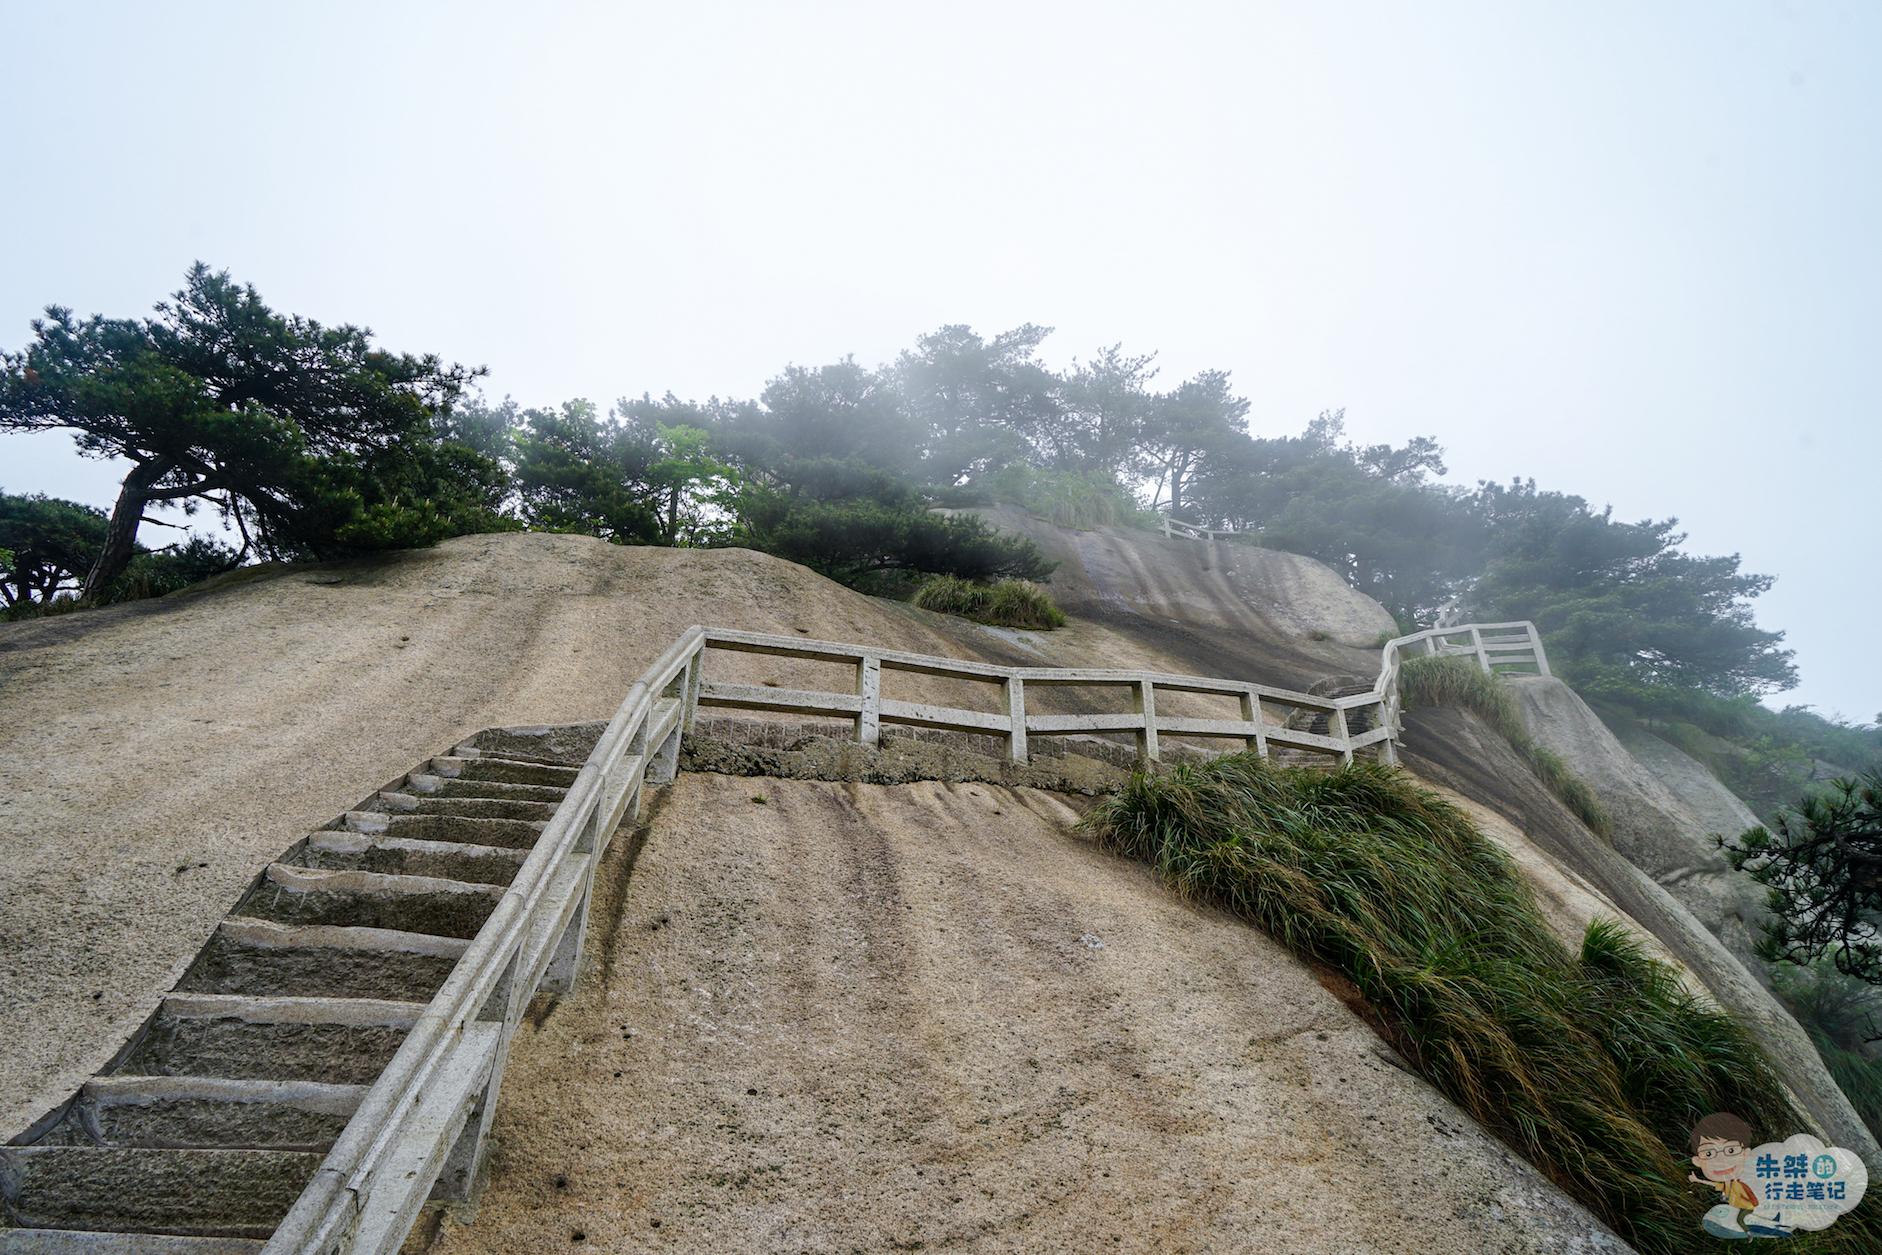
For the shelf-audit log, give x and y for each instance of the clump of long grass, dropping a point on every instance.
(1594, 1065)
(1435, 681)
(1004, 603)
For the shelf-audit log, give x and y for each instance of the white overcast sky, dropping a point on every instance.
(1631, 249)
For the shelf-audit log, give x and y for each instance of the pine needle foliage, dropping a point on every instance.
(1004, 603)
(1080, 500)
(1434, 681)
(1593, 1064)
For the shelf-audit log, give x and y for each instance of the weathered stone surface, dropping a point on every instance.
(930, 1016)
(230, 966)
(235, 1193)
(1233, 584)
(229, 1046)
(355, 899)
(1454, 748)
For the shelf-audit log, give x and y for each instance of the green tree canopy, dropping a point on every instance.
(1822, 861)
(579, 472)
(1372, 514)
(1620, 603)
(48, 545)
(980, 403)
(307, 438)
(1201, 419)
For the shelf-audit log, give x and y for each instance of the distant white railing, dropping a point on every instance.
(420, 1132)
(1497, 648)
(1011, 719)
(1176, 527)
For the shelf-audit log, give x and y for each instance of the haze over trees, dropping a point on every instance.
(312, 442)
(1822, 862)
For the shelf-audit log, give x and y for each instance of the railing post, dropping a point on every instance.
(1336, 723)
(1016, 712)
(1257, 739)
(1476, 643)
(1147, 707)
(1535, 643)
(869, 688)
(695, 666)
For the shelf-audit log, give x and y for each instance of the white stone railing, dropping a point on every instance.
(1011, 718)
(1496, 647)
(1176, 527)
(421, 1130)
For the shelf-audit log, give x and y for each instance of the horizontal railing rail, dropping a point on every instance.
(1173, 527)
(420, 1132)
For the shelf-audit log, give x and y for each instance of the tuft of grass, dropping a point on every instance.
(1005, 603)
(1593, 1064)
(1436, 681)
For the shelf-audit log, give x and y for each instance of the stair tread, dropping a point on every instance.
(209, 1193)
(349, 897)
(353, 880)
(321, 1039)
(422, 784)
(359, 842)
(130, 1087)
(212, 1112)
(264, 957)
(405, 856)
(464, 749)
(484, 768)
(84, 1242)
(480, 830)
(386, 1012)
(465, 807)
(271, 934)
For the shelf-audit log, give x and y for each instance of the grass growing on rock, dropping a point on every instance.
(1433, 681)
(1594, 1065)
(1005, 603)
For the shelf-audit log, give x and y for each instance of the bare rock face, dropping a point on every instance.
(1664, 870)
(845, 1016)
(1226, 583)
(1666, 809)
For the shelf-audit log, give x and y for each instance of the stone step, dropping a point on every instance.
(345, 1041)
(112, 1189)
(225, 1113)
(399, 856)
(465, 807)
(562, 746)
(362, 899)
(422, 784)
(263, 957)
(512, 834)
(512, 754)
(506, 770)
(78, 1242)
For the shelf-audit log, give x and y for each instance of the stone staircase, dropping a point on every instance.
(202, 1132)
(1320, 722)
